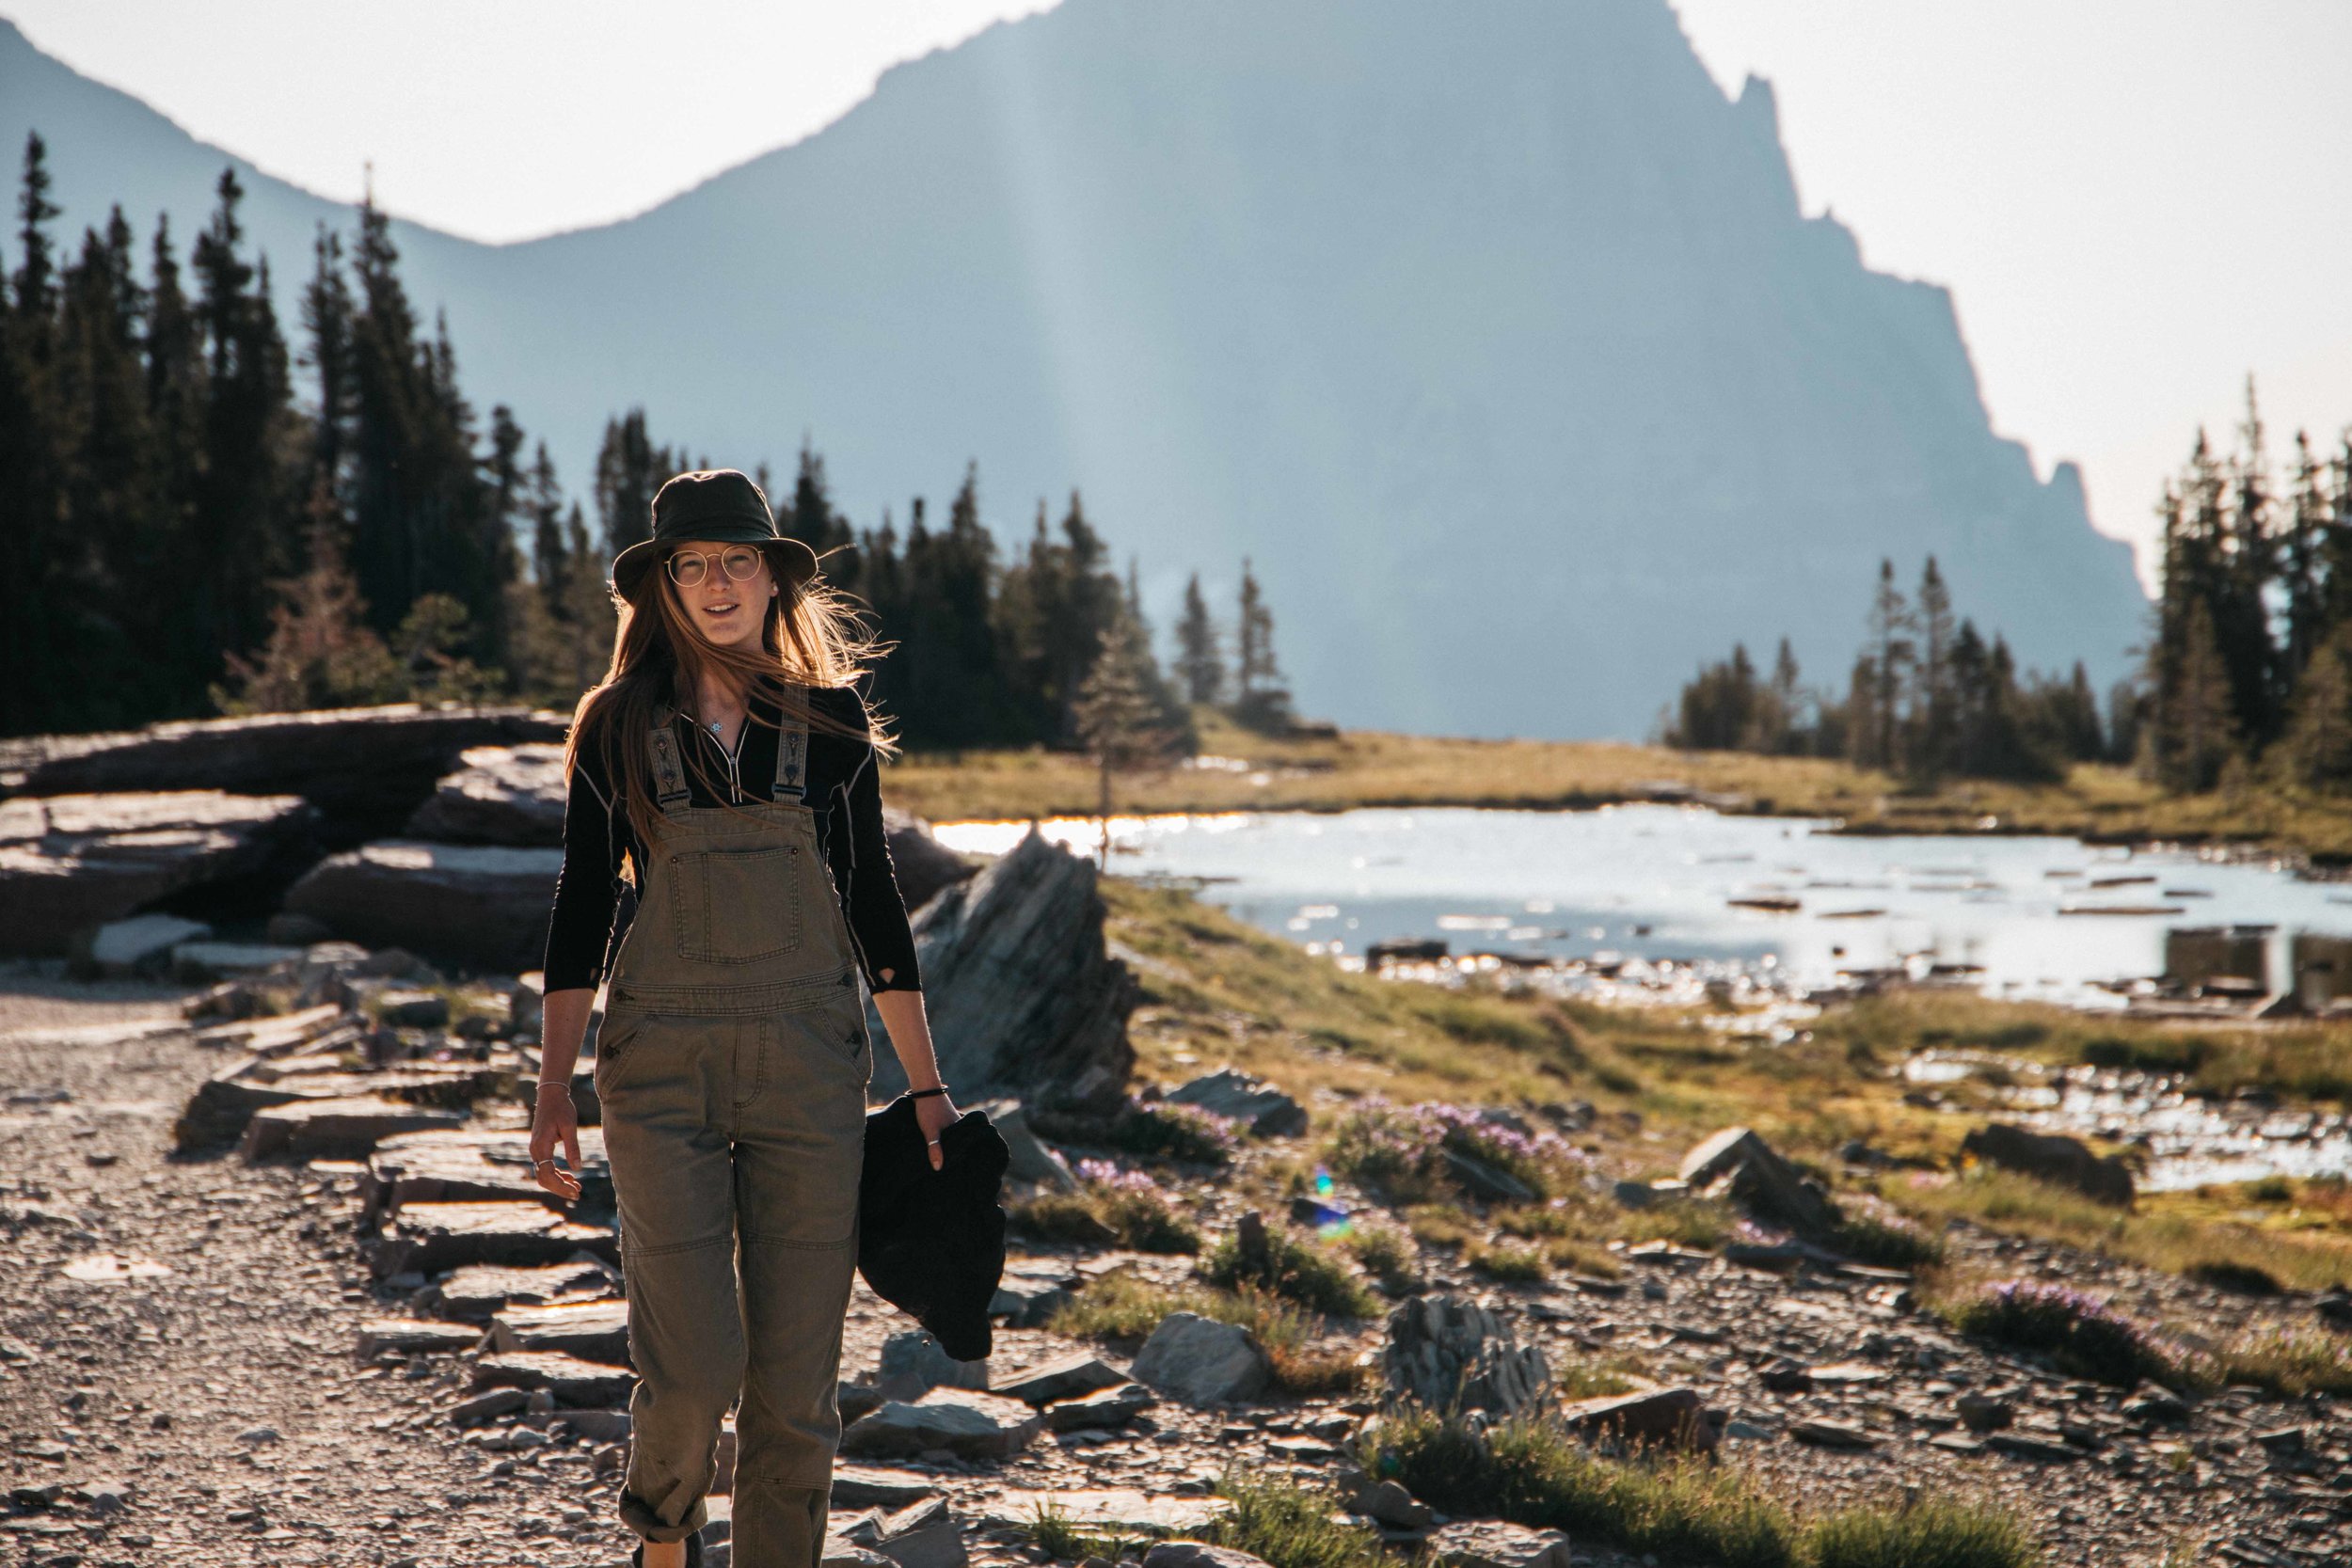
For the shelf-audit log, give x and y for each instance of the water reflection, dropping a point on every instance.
(1771, 899)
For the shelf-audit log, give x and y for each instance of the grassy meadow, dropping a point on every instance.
(1218, 991)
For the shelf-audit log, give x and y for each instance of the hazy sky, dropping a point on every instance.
(2135, 202)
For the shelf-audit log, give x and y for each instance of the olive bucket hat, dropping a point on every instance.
(722, 505)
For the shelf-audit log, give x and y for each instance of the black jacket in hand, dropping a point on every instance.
(931, 1242)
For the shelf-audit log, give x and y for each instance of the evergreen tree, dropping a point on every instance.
(810, 517)
(1890, 652)
(2316, 752)
(630, 469)
(1119, 720)
(1199, 656)
(1262, 702)
(2303, 563)
(1933, 703)
(36, 275)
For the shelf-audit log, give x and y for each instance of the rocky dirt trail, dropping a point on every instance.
(370, 1345)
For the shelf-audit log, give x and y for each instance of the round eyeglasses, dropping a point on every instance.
(689, 567)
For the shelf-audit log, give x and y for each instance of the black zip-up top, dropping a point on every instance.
(840, 786)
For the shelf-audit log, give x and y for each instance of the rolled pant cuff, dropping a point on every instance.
(649, 1525)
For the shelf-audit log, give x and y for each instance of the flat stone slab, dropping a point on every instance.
(416, 1336)
(1065, 1378)
(1116, 1508)
(2019, 1446)
(1198, 1554)
(476, 1293)
(572, 1381)
(470, 1166)
(856, 1486)
(1492, 1543)
(963, 1421)
(1851, 1374)
(592, 1330)
(428, 1238)
(1831, 1434)
(336, 1129)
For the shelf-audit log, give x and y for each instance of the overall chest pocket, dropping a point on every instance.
(737, 906)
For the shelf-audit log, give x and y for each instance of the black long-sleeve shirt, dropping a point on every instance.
(841, 786)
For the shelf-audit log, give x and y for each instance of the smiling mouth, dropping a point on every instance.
(728, 608)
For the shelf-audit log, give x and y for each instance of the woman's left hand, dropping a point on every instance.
(935, 1114)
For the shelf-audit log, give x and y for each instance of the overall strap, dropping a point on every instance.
(791, 754)
(669, 773)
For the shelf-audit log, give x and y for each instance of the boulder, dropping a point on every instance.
(364, 770)
(963, 1421)
(1265, 1110)
(428, 1237)
(1064, 1378)
(2051, 1157)
(482, 907)
(913, 1362)
(1024, 995)
(923, 1534)
(1655, 1417)
(511, 795)
(70, 864)
(1030, 1290)
(1201, 1361)
(1449, 1353)
(1493, 1544)
(1831, 1434)
(592, 1330)
(1737, 1164)
(922, 865)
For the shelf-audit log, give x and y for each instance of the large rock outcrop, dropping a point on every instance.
(72, 862)
(364, 768)
(1024, 996)
(511, 795)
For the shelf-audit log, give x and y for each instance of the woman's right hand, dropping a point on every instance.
(555, 1119)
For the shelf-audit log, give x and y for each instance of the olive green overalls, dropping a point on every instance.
(732, 1066)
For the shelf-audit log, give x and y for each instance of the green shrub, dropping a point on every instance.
(1930, 1533)
(1288, 1265)
(1290, 1526)
(1385, 1250)
(2079, 1331)
(1888, 1241)
(2290, 1363)
(1512, 1265)
(1167, 1132)
(1691, 1222)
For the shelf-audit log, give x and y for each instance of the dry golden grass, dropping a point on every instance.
(1373, 767)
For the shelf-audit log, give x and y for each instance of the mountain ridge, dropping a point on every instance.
(1511, 325)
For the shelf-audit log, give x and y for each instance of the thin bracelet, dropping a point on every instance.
(919, 1094)
(546, 1084)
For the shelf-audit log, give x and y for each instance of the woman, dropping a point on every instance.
(724, 769)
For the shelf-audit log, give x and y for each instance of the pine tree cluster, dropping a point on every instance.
(1926, 700)
(182, 535)
(2249, 671)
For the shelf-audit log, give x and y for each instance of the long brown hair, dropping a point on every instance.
(814, 636)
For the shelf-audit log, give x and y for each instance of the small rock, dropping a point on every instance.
(1393, 1506)
(2054, 1157)
(1983, 1413)
(2024, 1446)
(1736, 1164)
(1268, 1111)
(257, 1436)
(1105, 1410)
(2282, 1439)
(1064, 1379)
(1831, 1434)
(1202, 1361)
(913, 1363)
(1448, 1351)
(487, 1407)
(1655, 1418)
(413, 1009)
